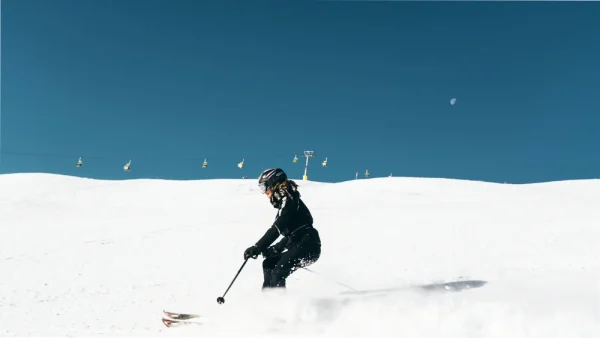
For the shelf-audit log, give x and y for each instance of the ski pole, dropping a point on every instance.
(221, 300)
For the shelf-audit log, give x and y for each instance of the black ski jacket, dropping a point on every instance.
(293, 221)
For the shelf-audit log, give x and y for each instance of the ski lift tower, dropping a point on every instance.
(308, 154)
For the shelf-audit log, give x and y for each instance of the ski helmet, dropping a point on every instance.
(271, 178)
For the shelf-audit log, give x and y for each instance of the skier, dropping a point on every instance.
(294, 222)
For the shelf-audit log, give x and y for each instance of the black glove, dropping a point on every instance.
(276, 249)
(271, 251)
(251, 252)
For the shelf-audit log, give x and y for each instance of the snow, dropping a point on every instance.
(90, 257)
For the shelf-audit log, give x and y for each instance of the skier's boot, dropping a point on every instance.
(267, 279)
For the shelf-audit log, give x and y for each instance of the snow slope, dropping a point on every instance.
(88, 257)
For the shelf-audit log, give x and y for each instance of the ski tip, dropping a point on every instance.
(184, 316)
(167, 322)
(175, 322)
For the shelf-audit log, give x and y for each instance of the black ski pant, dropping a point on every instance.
(277, 268)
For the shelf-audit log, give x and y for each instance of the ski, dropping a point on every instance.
(175, 319)
(180, 316)
(175, 323)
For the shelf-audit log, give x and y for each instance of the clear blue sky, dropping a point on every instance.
(366, 84)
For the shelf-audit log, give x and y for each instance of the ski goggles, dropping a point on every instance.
(263, 187)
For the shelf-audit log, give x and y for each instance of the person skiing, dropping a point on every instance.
(300, 245)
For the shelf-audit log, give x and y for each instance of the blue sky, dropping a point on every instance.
(365, 84)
